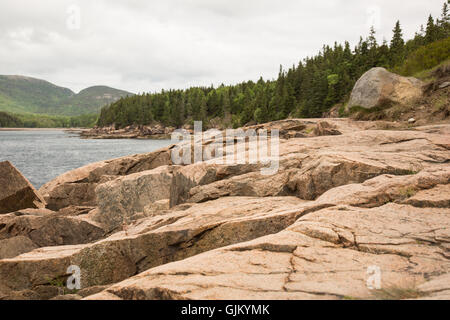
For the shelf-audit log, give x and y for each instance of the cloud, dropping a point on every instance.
(151, 45)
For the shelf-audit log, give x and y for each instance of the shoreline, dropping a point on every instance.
(43, 129)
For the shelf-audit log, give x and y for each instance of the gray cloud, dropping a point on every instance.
(141, 45)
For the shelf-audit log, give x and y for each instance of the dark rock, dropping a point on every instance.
(16, 191)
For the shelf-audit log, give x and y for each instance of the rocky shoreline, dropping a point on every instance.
(140, 227)
(157, 132)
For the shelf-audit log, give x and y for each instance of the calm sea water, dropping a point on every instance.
(43, 155)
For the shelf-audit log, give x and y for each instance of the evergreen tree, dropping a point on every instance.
(373, 49)
(383, 53)
(432, 32)
(372, 40)
(397, 48)
(444, 22)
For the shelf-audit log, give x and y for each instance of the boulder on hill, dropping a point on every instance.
(16, 192)
(378, 85)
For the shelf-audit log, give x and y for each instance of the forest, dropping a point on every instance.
(11, 120)
(305, 90)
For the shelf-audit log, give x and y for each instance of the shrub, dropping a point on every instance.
(426, 57)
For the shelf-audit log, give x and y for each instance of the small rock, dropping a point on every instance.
(324, 128)
(68, 297)
(47, 292)
(444, 85)
(91, 291)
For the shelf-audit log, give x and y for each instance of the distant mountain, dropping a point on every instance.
(19, 94)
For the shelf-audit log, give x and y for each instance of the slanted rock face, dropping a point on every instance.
(26, 230)
(16, 192)
(324, 254)
(155, 241)
(378, 85)
(12, 247)
(120, 199)
(77, 187)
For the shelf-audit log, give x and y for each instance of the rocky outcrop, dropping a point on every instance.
(324, 254)
(16, 192)
(12, 247)
(156, 131)
(26, 230)
(324, 128)
(77, 187)
(154, 241)
(336, 207)
(378, 86)
(119, 200)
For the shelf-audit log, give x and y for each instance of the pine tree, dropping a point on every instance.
(444, 23)
(397, 45)
(373, 49)
(431, 33)
(372, 40)
(445, 11)
(383, 52)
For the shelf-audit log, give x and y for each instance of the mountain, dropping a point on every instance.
(19, 94)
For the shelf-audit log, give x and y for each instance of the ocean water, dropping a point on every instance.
(43, 155)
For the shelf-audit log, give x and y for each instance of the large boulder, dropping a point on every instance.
(16, 192)
(378, 86)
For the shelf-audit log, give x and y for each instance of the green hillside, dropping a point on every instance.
(23, 94)
(19, 94)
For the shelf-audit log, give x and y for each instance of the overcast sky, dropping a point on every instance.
(142, 45)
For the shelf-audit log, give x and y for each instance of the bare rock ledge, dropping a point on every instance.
(345, 197)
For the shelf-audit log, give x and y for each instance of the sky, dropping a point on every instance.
(147, 46)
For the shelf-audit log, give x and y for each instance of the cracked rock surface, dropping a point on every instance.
(339, 205)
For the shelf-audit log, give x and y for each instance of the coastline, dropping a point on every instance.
(344, 175)
(43, 129)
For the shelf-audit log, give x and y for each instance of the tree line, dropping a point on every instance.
(10, 120)
(308, 89)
